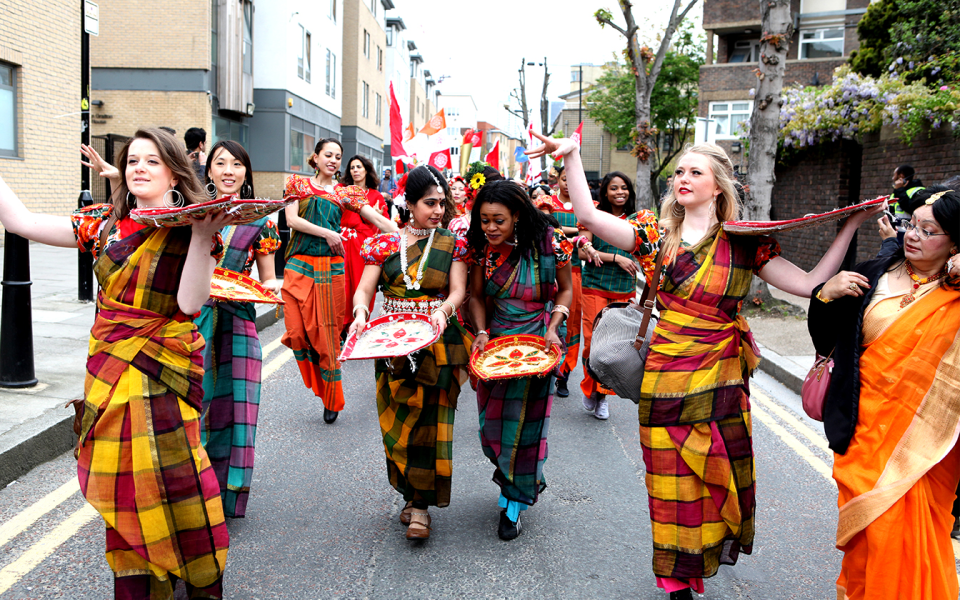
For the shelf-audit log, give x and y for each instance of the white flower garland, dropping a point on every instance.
(415, 284)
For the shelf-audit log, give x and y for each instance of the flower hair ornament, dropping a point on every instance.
(400, 197)
(475, 179)
(936, 197)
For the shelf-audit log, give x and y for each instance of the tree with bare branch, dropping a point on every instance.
(520, 95)
(646, 68)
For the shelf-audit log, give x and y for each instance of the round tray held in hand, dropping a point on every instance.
(389, 336)
(514, 357)
(237, 287)
(768, 227)
(244, 211)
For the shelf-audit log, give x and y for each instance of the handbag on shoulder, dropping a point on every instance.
(815, 386)
(621, 341)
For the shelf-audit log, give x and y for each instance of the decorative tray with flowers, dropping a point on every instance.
(389, 336)
(768, 227)
(515, 356)
(243, 210)
(237, 287)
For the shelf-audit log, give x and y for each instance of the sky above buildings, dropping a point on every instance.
(477, 46)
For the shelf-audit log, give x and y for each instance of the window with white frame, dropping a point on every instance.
(821, 43)
(726, 117)
(333, 10)
(366, 100)
(248, 38)
(366, 43)
(331, 84)
(389, 36)
(8, 110)
(373, 6)
(379, 109)
(745, 51)
(452, 111)
(379, 59)
(300, 50)
(306, 56)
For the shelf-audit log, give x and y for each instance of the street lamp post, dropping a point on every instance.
(580, 96)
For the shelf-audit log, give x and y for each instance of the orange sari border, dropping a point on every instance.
(935, 428)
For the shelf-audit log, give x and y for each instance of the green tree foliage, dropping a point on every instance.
(915, 39)
(673, 103)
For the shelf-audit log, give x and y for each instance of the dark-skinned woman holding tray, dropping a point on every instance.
(694, 409)
(521, 264)
(420, 269)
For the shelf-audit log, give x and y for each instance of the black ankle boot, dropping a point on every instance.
(508, 530)
(682, 595)
(562, 390)
(329, 416)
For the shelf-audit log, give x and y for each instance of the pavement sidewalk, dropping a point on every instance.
(35, 425)
(786, 351)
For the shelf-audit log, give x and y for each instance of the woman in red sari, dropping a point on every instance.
(140, 461)
(694, 410)
(353, 228)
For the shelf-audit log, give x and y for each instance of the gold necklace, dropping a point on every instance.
(917, 282)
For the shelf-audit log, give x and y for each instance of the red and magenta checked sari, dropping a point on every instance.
(140, 462)
(695, 427)
(515, 413)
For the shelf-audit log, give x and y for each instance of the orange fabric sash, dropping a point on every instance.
(910, 395)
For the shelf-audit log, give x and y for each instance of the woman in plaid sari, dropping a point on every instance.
(140, 461)
(613, 280)
(695, 426)
(421, 270)
(523, 265)
(232, 355)
(314, 285)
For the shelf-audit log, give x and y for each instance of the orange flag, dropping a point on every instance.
(436, 123)
(408, 133)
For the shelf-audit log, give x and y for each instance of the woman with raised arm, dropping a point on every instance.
(144, 385)
(355, 230)
(419, 270)
(313, 280)
(614, 279)
(695, 398)
(892, 412)
(563, 212)
(232, 358)
(522, 265)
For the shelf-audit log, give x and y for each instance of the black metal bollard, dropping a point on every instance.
(85, 260)
(279, 259)
(16, 319)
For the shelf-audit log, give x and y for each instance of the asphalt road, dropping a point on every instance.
(322, 518)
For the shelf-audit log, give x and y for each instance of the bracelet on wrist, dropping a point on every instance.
(821, 298)
(483, 332)
(361, 307)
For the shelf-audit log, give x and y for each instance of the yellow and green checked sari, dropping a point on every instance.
(140, 462)
(695, 427)
(417, 404)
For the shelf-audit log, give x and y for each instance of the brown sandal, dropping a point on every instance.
(417, 529)
(405, 513)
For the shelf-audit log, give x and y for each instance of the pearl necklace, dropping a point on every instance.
(917, 282)
(415, 284)
(413, 230)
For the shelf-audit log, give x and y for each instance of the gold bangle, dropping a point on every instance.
(821, 298)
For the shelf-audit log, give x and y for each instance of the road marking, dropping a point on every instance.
(788, 438)
(276, 363)
(39, 552)
(791, 420)
(270, 347)
(27, 517)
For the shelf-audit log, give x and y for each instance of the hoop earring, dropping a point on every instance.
(178, 203)
(246, 191)
(211, 189)
(131, 204)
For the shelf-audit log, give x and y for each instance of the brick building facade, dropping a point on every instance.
(40, 125)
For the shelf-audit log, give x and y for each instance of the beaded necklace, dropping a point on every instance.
(917, 282)
(415, 284)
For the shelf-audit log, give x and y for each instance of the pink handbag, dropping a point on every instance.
(815, 386)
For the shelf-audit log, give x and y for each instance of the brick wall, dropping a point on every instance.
(42, 40)
(174, 34)
(269, 184)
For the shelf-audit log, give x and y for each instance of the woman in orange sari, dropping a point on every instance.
(892, 413)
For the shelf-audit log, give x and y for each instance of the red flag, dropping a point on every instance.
(441, 159)
(578, 135)
(530, 134)
(396, 127)
(477, 140)
(493, 158)
(436, 123)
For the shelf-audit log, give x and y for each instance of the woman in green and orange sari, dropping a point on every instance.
(892, 412)
(420, 270)
(695, 396)
(314, 281)
(140, 461)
